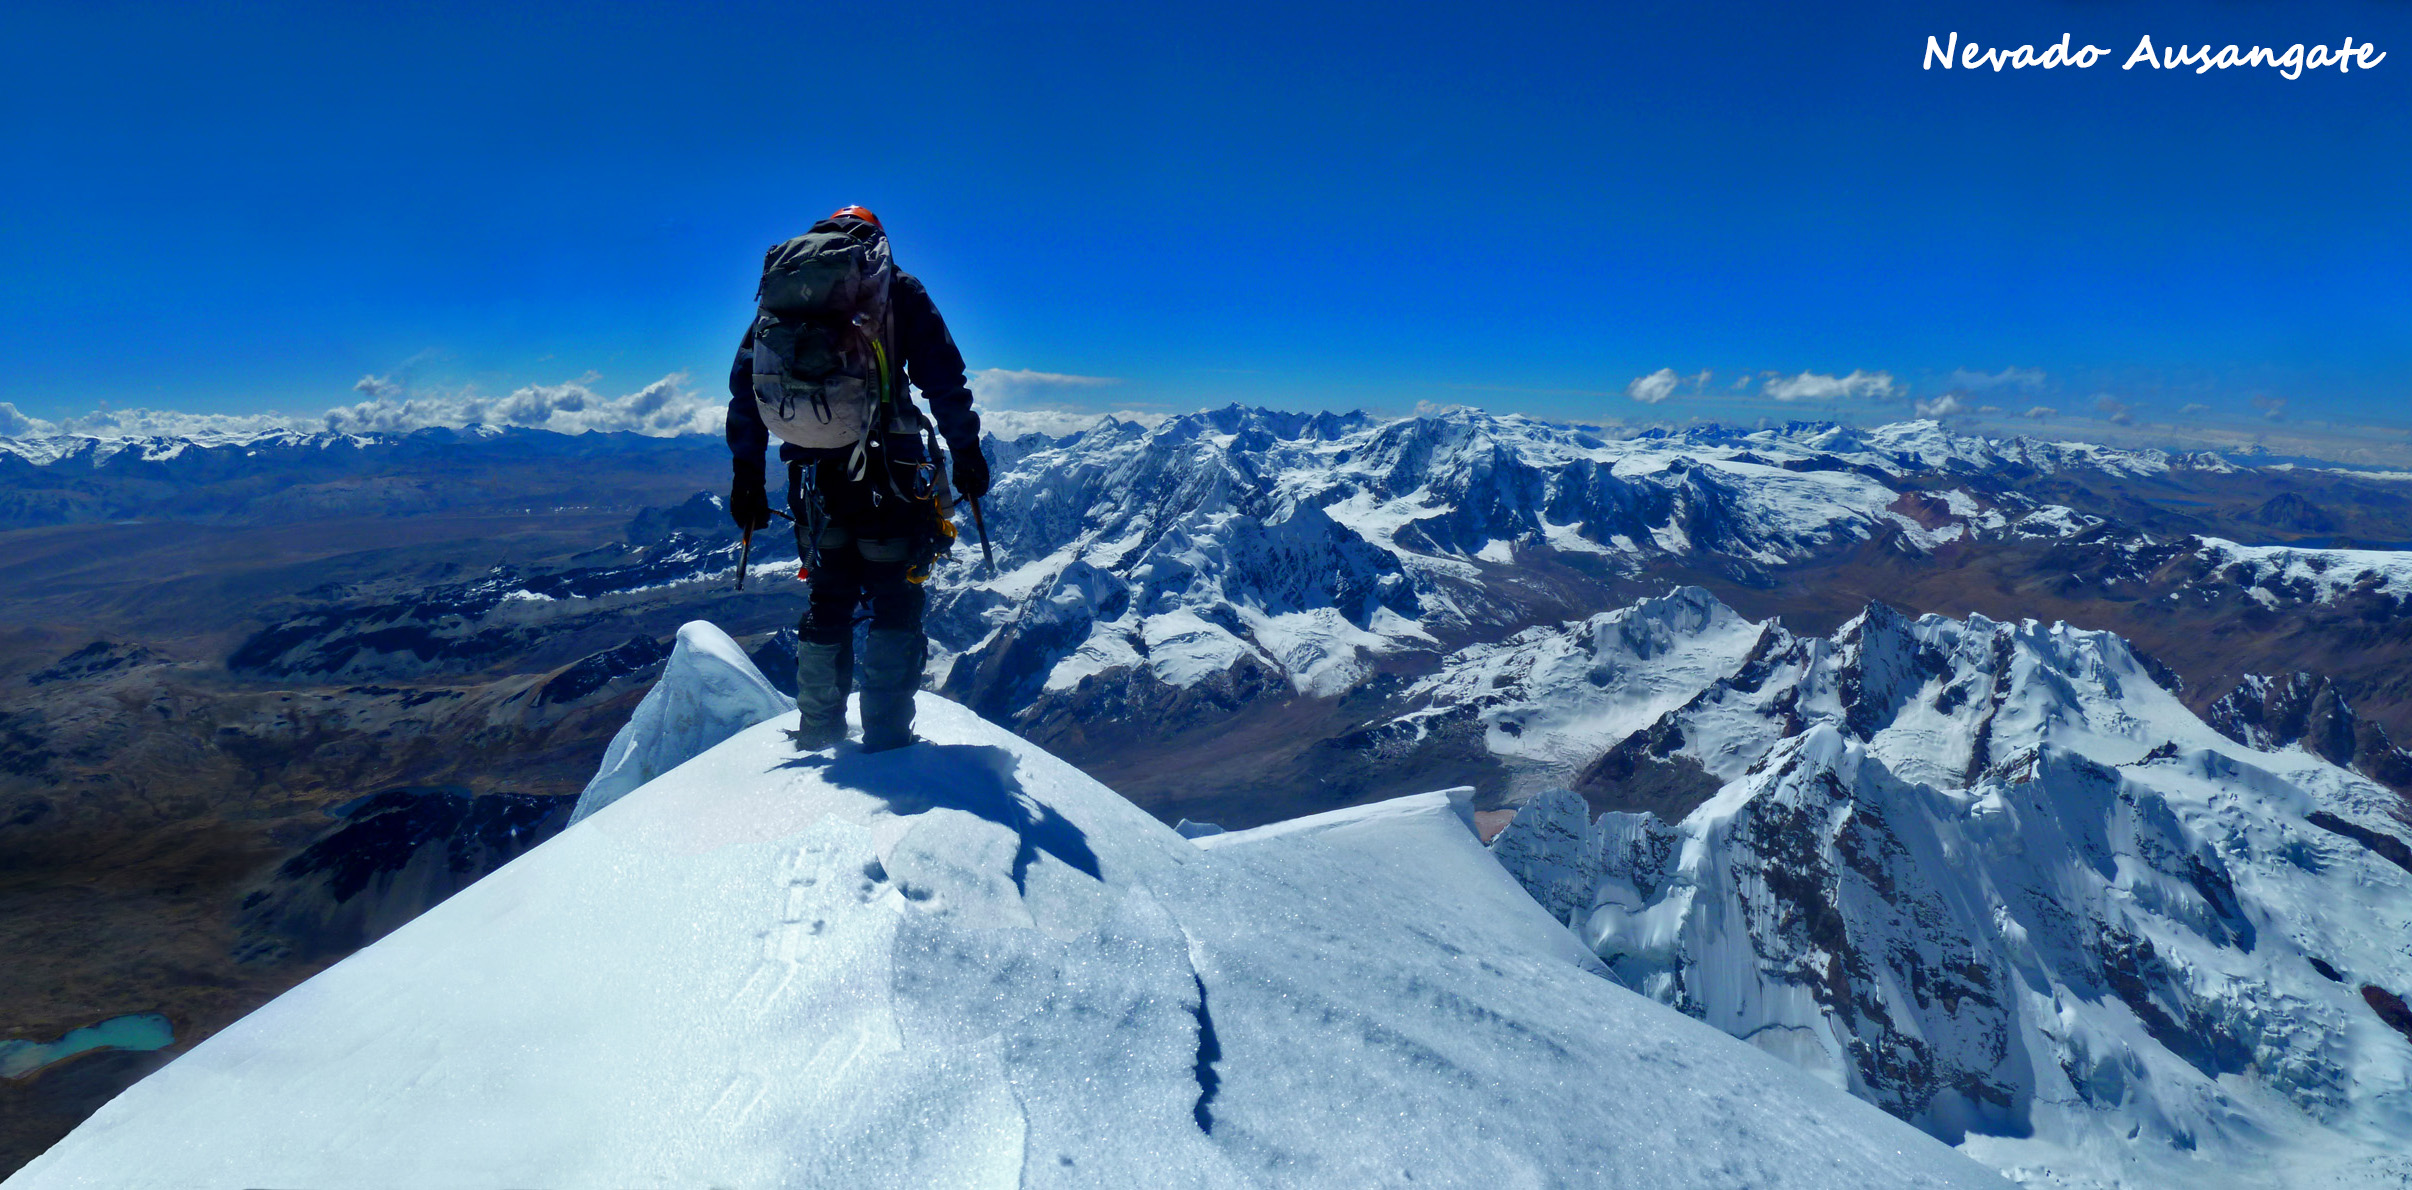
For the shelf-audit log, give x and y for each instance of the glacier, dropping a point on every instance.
(1998, 878)
(967, 964)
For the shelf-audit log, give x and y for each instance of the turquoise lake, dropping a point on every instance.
(140, 1031)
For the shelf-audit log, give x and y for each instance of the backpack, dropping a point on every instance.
(821, 370)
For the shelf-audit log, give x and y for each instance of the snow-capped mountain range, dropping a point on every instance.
(1166, 575)
(1315, 546)
(285, 476)
(92, 450)
(1994, 877)
(1158, 580)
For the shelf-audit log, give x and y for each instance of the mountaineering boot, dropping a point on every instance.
(892, 660)
(823, 674)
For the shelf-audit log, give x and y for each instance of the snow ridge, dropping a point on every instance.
(966, 964)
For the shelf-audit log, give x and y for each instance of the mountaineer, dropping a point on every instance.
(838, 331)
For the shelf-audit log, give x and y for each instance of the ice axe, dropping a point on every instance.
(981, 523)
(745, 548)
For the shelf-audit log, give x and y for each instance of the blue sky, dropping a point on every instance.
(227, 209)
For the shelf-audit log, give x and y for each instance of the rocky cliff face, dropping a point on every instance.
(2309, 711)
(388, 858)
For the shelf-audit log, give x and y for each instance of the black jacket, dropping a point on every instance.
(924, 350)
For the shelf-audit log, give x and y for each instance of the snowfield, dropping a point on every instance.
(965, 964)
(2311, 575)
(1557, 696)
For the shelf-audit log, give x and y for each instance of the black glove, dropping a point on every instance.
(747, 505)
(970, 469)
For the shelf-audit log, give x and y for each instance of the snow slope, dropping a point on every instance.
(965, 964)
(1999, 879)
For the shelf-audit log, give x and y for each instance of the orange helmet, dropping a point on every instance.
(862, 213)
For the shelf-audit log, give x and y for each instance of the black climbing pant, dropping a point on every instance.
(868, 540)
(893, 649)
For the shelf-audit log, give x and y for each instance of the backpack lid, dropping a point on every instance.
(859, 229)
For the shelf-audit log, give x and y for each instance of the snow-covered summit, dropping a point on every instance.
(1998, 878)
(965, 964)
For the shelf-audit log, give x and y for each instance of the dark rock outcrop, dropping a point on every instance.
(392, 856)
(2308, 709)
(92, 660)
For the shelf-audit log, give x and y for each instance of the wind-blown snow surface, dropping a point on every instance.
(965, 964)
(1999, 879)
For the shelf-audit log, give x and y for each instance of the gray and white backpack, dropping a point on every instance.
(821, 371)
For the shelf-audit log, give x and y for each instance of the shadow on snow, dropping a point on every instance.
(977, 779)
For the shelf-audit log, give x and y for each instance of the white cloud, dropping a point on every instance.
(2040, 412)
(18, 425)
(2115, 409)
(1007, 387)
(2195, 407)
(2273, 408)
(1653, 388)
(1661, 384)
(664, 408)
(1012, 402)
(2029, 379)
(1943, 406)
(1812, 386)
(160, 423)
